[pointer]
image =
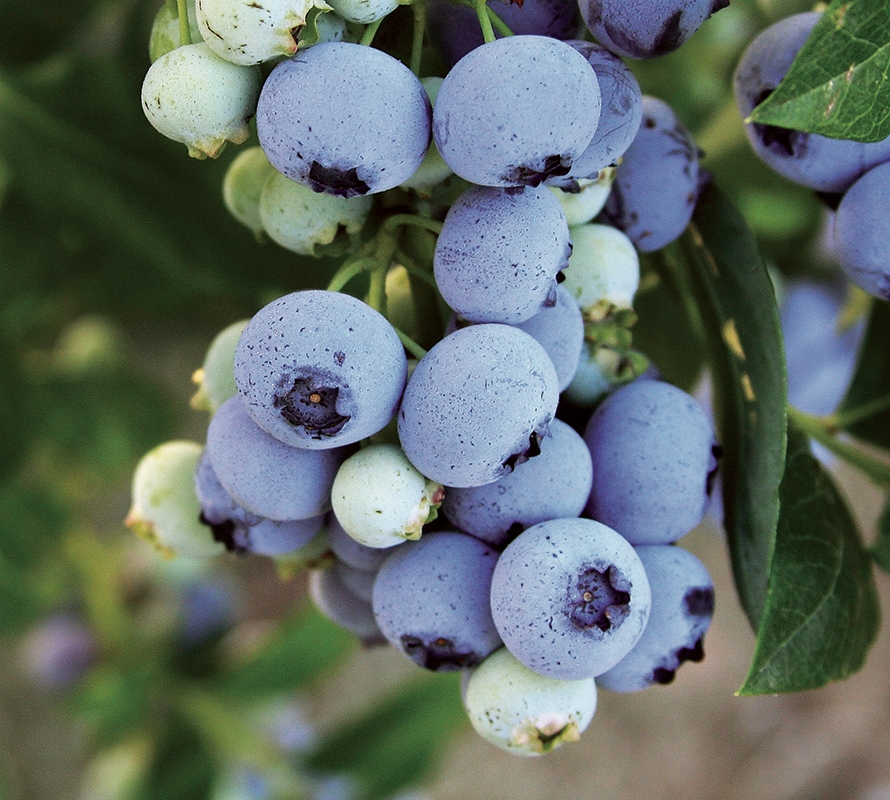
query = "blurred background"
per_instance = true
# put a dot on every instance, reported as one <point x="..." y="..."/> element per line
<point x="123" y="675"/>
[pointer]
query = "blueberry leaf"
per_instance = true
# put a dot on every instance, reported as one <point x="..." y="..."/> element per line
<point x="727" y="278"/>
<point x="304" y="647"/>
<point x="880" y="549"/>
<point x="837" y="85"/>
<point x="822" y="613"/>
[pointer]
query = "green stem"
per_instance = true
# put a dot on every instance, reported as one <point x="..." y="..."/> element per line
<point x="349" y="270"/>
<point x="847" y="418"/>
<point x="397" y="220"/>
<point x="481" y="9"/>
<point x="185" y="35"/>
<point x="377" y="291"/>
<point x="412" y="268"/>
<point x="410" y="345"/>
<point x="818" y="430"/>
<point x="502" y="27"/>
<point x="419" y="9"/>
<point x="370" y="30"/>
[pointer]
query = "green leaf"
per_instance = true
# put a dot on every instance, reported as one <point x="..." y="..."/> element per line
<point x="822" y="612"/>
<point x="395" y="743"/>
<point x="667" y="329"/>
<point x="837" y="85"/>
<point x="880" y="549"/>
<point x="870" y="386"/>
<point x="303" y="649"/>
<point x="735" y="298"/>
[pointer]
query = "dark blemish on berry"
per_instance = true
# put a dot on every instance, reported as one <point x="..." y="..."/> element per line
<point x="311" y="405"/>
<point x="782" y="141"/>
<point x="339" y="182"/>
<point x="534" y="175"/>
<point x="533" y="449"/>
<point x="695" y="653"/>
<point x="339" y="358"/>
<point x="717" y="453"/>
<point x="439" y="655"/>
<point x="663" y="675"/>
<point x="224" y="533"/>
<point x="599" y="599"/>
<point x="699" y="602"/>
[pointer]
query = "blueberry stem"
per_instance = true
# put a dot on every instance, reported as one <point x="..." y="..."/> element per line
<point x="349" y="270"/>
<point x="410" y="345"/>
<point x="397" y="220"/>
<point x="419" y="9"/>
<point x="185" y="36"/>
<point x="412" y="268"/>
<point x="481" y="9"/>
<point x="819" y="430"/>
<point x="370" y="30"/>
<point x="844" y="419"/>
<point x="497" y="22"/>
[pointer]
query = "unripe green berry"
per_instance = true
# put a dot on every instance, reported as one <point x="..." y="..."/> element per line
<point x="165" y="509"/>
<point x="301" y="220"/>
<point x="243" y="185"/>
<point x="380" y="499"/>
<point x="584" y="204"/>
<point x="523" y="712"/>
<point x="193" y="96"/>
<point x="216" y="377"/>
<point x="246" y="32"/>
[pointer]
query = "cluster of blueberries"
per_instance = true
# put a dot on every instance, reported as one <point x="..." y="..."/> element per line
<point x="442" y="503"/>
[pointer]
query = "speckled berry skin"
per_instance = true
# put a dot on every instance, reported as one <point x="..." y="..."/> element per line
<point x="682" y="607"/>
<point x="620" y="115"/>
<point x="654" y="455"/>
<point x="431" y="600"/>
<point x="570" y="598"/>
<point x="862" y="232"/>
<point x="552" y="485"/>
<point x="657" y="184"/>
<point x="559" y="329"/>
<point x="247" y="32"/>
<point x="538" y="89"/>
<point x="477" y="405"/>
<point x="499" y="253"/>
<point x="266" y="476"/>
<point x="646" y="28"/>
<point x="320" y="369"/>
<point x="363" y="124"/>
<point x="818" y="162"/>
<point x="523" y="712"/>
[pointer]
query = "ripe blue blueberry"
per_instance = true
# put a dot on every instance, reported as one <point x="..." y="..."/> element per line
<point x="320" y="369"/>
<point x="570" y="598"/>
<point x="431" y="600"/>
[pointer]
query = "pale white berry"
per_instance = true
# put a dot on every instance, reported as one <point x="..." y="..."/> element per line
<point x="300" y="219"/>
<point x="165" y="509"/>
<point x="193" y="96"/>
<point x="380" y="499"/>
<point x="604" y="270"/>
<point x="246" y="32"/>
<point x="523" y="712"/>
